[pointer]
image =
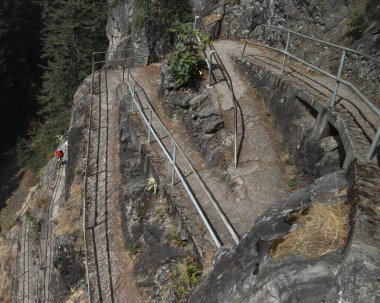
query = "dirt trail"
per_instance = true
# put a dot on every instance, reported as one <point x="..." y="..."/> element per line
<point x="110" y="269"/>
<point x="259" y="181"/>
<point x="347" y="102"/>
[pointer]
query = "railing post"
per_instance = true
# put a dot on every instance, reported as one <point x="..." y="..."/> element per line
<point x="338" y="78"/>
<point x="196" y="21"/>
<point x="245" y="45"/>
<point x="133" y="96"/>
<point x="150" y="126"/>
<point x="375" y="141"/>
<point x="285" y="54"/>
<point x="123" y="68"/>
<point x="235" y="133"/>
<point x="210" y="68"/>
<point x="174" y="164"/>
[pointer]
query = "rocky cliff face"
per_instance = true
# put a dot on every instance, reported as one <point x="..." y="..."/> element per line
<point x="345" y="22"/>
<point x="248" y="272"/>
<point x="354" y="24"/>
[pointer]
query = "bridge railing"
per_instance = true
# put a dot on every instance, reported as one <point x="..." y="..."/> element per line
<point x="338" y="77"/>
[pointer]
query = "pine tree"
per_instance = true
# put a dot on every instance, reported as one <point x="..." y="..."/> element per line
<point x="73" y="29"/>
<point x="20" y="25"/>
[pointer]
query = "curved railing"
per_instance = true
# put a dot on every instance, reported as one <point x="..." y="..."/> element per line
<point x="132" y="84"/>
<point x="214" y="54"/>
<point x="338" y="79"/>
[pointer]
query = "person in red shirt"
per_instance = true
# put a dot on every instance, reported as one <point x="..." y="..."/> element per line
<point x="59" y="154"/>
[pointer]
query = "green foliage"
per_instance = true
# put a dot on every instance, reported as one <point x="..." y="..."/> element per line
<point x="357" y="22"/>
<point x="78" y="170"/>
<point x="292" y="182"/>
<point x="133" y="249"/>
<point x="72" y="30"/>
<point x="161" y="14"/>
<point x="185" y="276"/>
<point x="289" y="161"/>
<point x="178" y="242"/>
<point x="184" y="61"/>
<point x="152" y="185"/>
<point x="20" y="72"/>
<point x="34" y="223"/>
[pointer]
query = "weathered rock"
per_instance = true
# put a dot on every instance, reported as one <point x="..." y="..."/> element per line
<point x="179" y="98"/>
<point x="68" y="270"/>
<point x="247" y="272"/>
<point x="211" y="124"/>
<point x="329" y="144"/>
<point x="149" y="224"/>
<point x="340" y="22"/>
<point x="197" y="100"/>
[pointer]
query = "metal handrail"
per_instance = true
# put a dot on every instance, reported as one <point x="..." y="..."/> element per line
<point x="172" y="159"/>
<point x="337" y="77"/>
<point x="214" y="53"/>
<point x="176" y="169"/>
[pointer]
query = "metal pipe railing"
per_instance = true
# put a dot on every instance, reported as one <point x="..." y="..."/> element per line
<point x="175" y="169"/>
<point x="178" y="172"/>
<point x="337" y="77"/>
<point x="214" y="53"/>
<point x="172" y="160"/>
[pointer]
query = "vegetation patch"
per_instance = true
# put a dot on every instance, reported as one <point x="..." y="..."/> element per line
<point x="292" y="182"/>
<point x="161" y="14"/>
<point x="34" y="223"/>
<point x="69" y="218"/>
<point x="322" y="229"/>
<point x="184" y="62"/>
<point x="185" y="276"/>
<point x="8" y="259"/>
<point x="152" y="186"/>
<point x="357" y="22"/>
<point x="133" y="250"/>
<point x="289" y="160"/>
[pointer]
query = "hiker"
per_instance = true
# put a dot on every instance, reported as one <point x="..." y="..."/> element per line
<point x="59" y="153"/>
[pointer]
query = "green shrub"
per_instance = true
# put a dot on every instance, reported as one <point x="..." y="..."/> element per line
<point x="34" y="223"/>
<point x="133" y="249"/>
<point x="292" y="182"/>
<point x="152" y="185"/>
<point x="357" y="22"/>
<point x="289" y="161"/>
<point x="185" y="276"/>
<point x="161" y="14"/>
<point x="184" y="61"/>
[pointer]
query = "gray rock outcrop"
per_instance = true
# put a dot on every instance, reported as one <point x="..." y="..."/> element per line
<point x="248" y="273"/>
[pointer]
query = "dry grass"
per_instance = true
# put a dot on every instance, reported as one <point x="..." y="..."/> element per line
<point x="211" y="18"/>
<point x="69" y="218"/>
<point x="323" y="229"/>
<point x="15" y="201"/>
<point x="39" y="202"/>
<point x="77" y="296"/>
<point x="7" y="260"/>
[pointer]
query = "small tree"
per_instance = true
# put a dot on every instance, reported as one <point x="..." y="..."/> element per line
<point x="184" y="61"/>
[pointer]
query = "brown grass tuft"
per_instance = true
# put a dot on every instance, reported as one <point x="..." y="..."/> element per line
<point x="7" y="257"/>
<point x="77" y="296"/>
<point x="323" y="229"/>
<point x="39" y="202"/>
<point x="29" y="179"/>
<point x="69" y="218"/>
<point x="211" y="18"/>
